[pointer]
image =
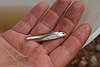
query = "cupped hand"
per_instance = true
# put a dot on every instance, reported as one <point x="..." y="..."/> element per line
<point x="63" y="16"/>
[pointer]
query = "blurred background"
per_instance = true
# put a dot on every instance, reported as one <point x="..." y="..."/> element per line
<point x="11" y="11"/>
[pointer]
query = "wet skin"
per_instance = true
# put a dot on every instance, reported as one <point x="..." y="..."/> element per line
<point x="15" y="51"/>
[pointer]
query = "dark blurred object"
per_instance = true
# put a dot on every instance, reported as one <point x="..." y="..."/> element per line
<point x="94" y="61"/>
<point x="88" y="56"/>
<point x="97" y="48"/>
<point x="83" y="63"/>
<point x="98" y="39"/>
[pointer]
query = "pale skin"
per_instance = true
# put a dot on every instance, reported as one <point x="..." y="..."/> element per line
<point x="15" y="51"/>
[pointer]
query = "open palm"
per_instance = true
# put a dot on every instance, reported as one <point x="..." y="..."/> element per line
<point x="17" y="52"/>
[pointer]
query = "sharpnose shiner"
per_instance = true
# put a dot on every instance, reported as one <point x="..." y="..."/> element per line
<point x="46" y="37"/>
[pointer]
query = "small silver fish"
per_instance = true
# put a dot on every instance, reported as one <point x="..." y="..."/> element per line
<point x="46" y="37"/>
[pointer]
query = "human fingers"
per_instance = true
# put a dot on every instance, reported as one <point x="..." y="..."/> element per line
<point x="68" y="50"/>
<point x="49" y="21"/>
<point x="28" y="22"/>
<point x="67" y="24"/>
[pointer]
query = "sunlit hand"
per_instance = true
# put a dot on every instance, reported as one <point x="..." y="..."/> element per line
<point x="15" y="51"/>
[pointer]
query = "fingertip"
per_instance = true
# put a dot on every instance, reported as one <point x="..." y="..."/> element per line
<point x="65" y="1"/>
<point x="44" y="4"/>
<point x="87" y="27"/>
<point x="79" y="5"/>
<point x="83" y="32"/>
<point x="39" y="10"/>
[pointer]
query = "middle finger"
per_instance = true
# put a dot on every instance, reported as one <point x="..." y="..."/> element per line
<point x="67" y="25"/>
<point x="49" y="21"/>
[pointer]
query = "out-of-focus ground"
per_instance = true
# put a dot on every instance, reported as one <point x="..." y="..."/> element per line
<point x="10" y="15"/>
<point x="88" y="56"/>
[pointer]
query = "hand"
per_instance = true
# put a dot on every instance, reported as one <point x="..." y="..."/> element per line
<point x="17" y="52"/>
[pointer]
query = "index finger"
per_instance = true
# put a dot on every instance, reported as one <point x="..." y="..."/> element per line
<point x="28" y="22"/>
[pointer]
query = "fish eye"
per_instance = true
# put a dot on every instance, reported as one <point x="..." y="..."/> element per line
<point x="63" y="33"/>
